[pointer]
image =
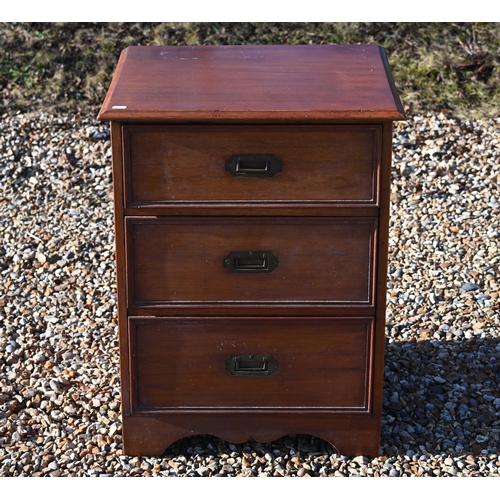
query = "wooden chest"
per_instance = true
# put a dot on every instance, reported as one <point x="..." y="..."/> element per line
<point x="251" y="190"/>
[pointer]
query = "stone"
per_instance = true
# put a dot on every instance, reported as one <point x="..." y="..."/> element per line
<point x="469" y="287"/>
<point x="60" y="397"/>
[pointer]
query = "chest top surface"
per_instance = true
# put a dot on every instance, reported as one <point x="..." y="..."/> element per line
<point x="302" y="83"/>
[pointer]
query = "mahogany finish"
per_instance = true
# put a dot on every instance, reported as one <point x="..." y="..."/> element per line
<point x="247" y="83"/>
<point x="196" y="338"/>
<point x="322" y="164"/>
<point x="173" y="260"/>
<point x="179" y="364"/>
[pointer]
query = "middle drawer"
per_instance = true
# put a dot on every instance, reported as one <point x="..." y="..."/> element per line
<point x="250" y="261"/>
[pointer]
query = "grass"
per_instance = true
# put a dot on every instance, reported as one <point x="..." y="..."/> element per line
<point x="450" y="67"/>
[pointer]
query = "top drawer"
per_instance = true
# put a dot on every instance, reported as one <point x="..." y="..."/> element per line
<point x="327" y="165"/>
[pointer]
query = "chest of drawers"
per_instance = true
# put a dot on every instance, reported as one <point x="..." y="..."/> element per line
<point x="251" y="189"/>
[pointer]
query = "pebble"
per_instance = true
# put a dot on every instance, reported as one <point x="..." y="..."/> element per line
<point x="469" y="287"/>
<point x="59" y="383"/>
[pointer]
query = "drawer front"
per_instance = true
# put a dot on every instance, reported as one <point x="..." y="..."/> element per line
<point x="176" y="165"/>
<point x="208" y="260"/>
<point x="184" y="364"/>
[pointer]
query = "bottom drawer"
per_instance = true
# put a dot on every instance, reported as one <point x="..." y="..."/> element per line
<point x="250" y="364"/>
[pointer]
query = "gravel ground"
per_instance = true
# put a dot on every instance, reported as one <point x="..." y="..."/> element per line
<point x="59" y="380"/>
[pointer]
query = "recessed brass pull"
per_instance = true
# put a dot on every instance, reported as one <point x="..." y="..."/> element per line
<point x="251" y="262"/>
<point x="252" y="365"/>
<point x="253" y="165"/>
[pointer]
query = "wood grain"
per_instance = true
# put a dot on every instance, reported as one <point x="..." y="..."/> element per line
<point x="179" y="364"/>
<point x="179" y="260"/>
<point x="252" y="82"/>
<point x="178" y="113"/>
<point x="168" y="166"/>
<point x="120" y="258"/>
<point x="352" y="434"/>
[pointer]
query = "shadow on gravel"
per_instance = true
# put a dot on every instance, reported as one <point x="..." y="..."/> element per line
<point x="299" y="445"/>
<point x="293" y="455"/>
<point x="442" y="397"/>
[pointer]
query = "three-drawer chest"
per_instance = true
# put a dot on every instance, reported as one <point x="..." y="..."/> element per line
<point x="251" y="188"/>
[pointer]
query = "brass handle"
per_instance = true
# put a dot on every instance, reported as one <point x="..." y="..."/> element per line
<point x="252" y="365"/>
<point x="253" y="165"/>
<point x="251" y="262"/>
